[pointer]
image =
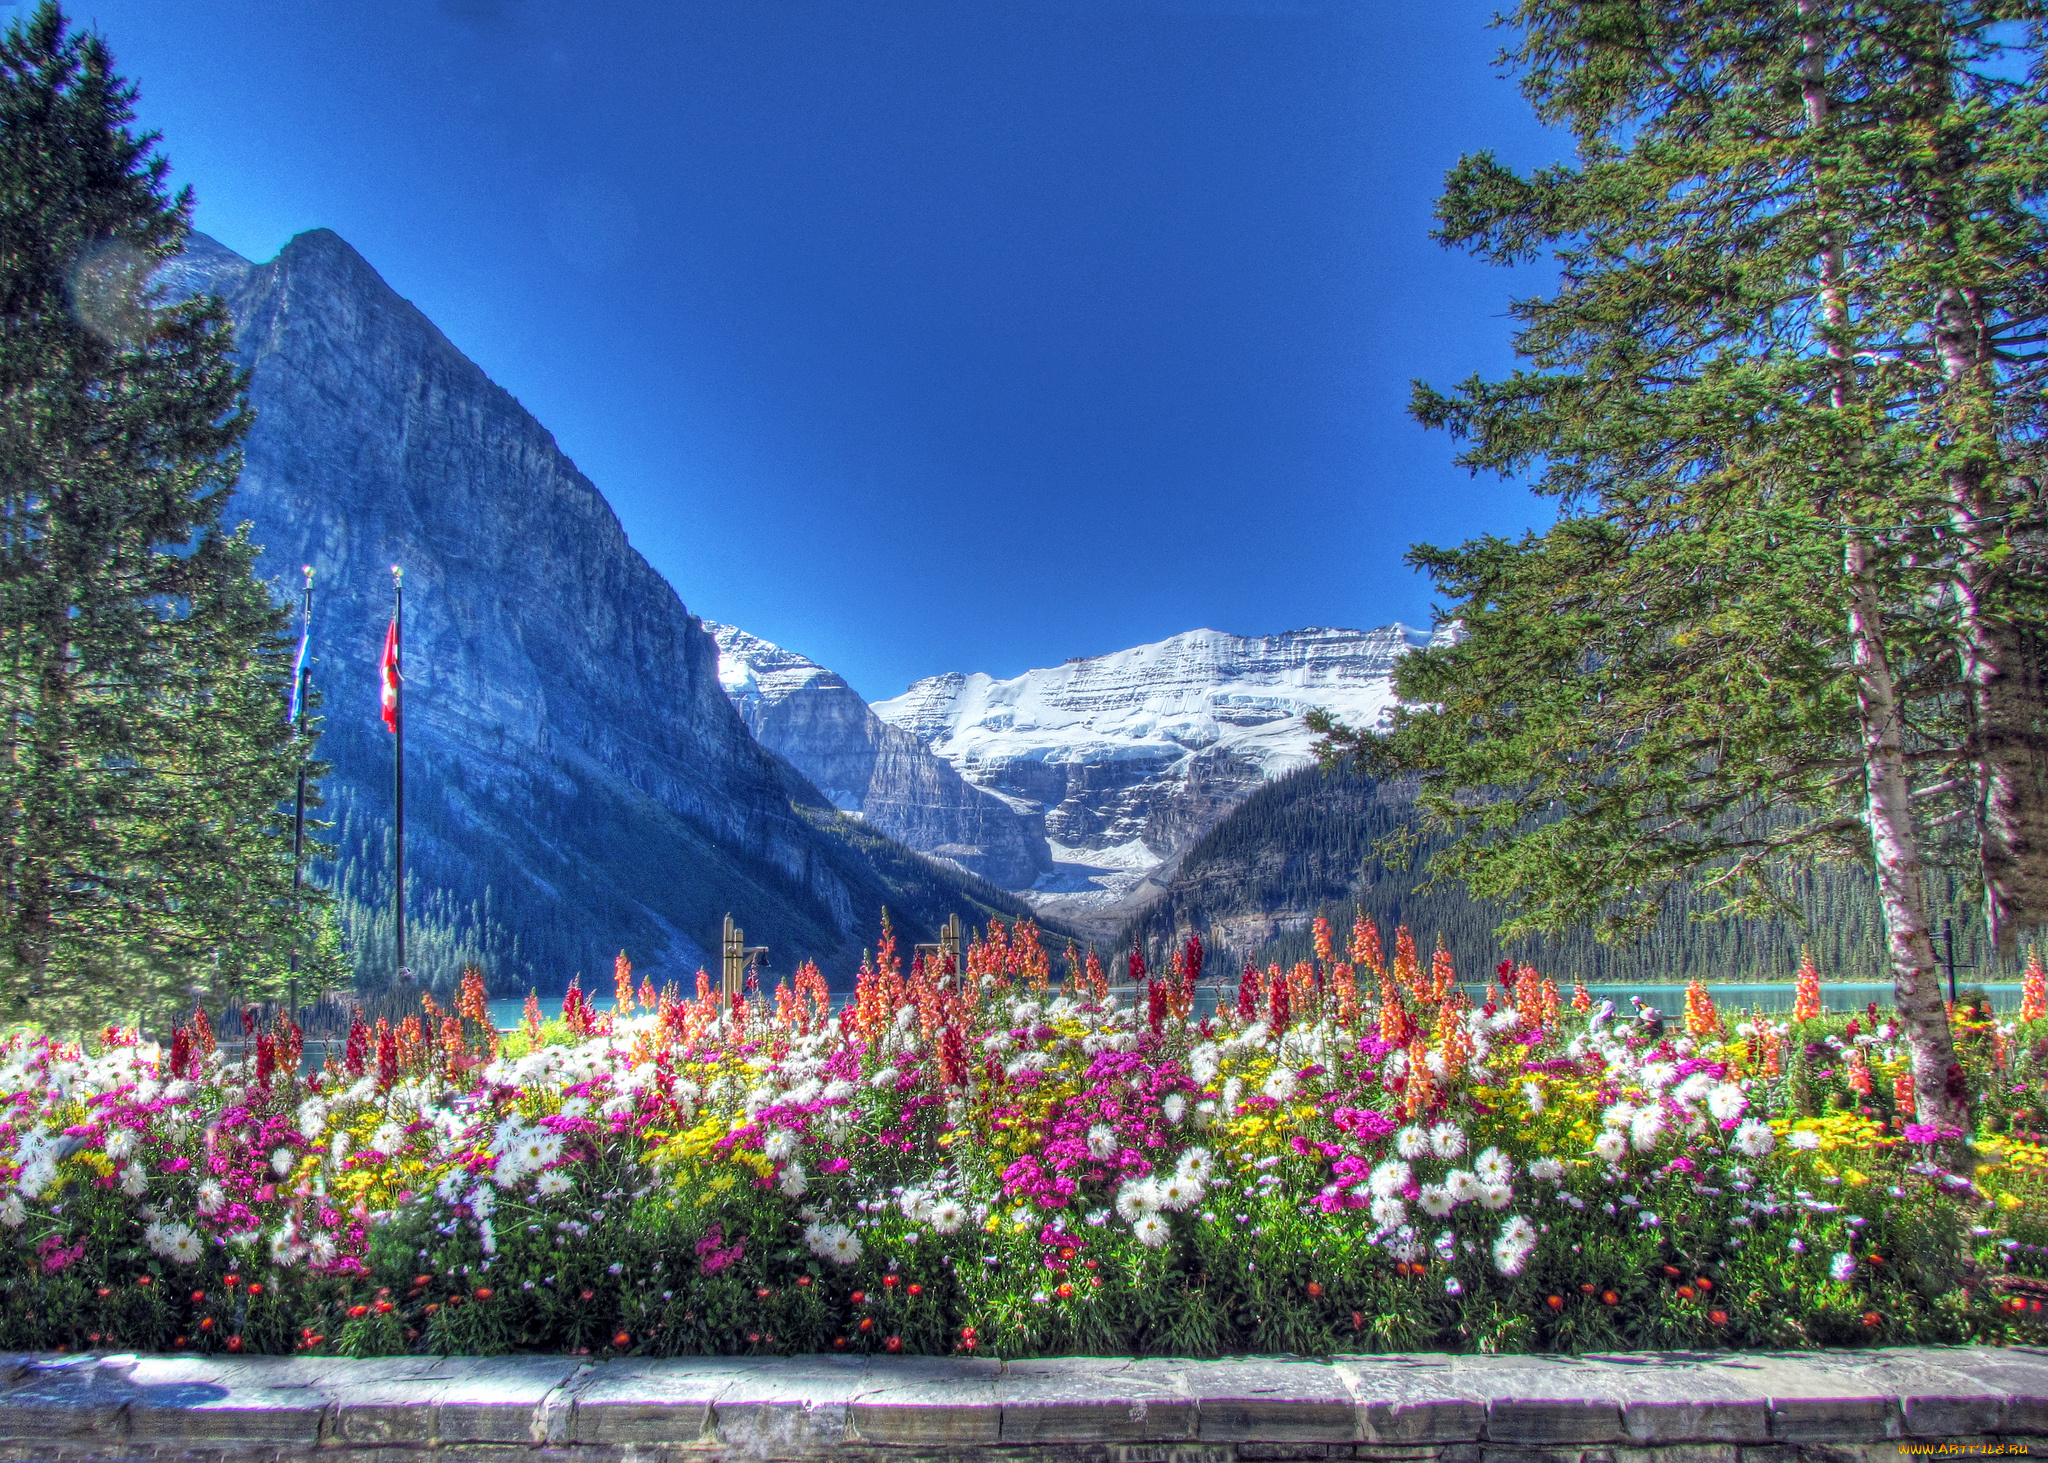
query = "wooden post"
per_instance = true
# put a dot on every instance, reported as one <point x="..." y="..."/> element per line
<point x="739" y="955"/>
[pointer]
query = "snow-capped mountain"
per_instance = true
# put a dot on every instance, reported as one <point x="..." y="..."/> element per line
<point x="811" y="718"/>
<point x="1130" y="758"/>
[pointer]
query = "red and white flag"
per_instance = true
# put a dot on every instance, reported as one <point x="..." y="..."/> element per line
<point x="391" y="676"/>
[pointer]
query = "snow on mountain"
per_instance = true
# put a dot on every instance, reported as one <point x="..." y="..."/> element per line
<point x="1131" y="757"/>
<point x="809" y="716"/>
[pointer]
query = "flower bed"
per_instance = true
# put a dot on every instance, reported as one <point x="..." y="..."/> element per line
<point x="1350" y="1157"/>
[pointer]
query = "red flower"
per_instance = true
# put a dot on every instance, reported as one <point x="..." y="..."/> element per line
<point x="483" y="1292"/>
<point x="917" y="1290"/>
<point x="622" y="1338"/>
<point x="894" y="1343"/>
<point x="1315" y="1290"/>
<point x="762" y="1293"/>
<point x="1064" y="1292"/>
<point x="358" y="1312"/>
<point x="1703" y="1283"/>
<point x="1685" y="1292"/>
<point x="1610" y="1298"/>
<point x="234" y="1343"/>
<point x="888" y="1282"/>
<point x="255" y="1289"/>
<point x="206" y="1323"/>
<point x="199" y="1297"/>
<point x="1872" y="1318"/>
<point x="1719" y="1318"/>
<point x="1555" y="1302"/>
<point x="867" y="1323"/>
<point x="859" y="1297"/>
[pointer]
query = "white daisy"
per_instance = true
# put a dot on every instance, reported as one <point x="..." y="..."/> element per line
<point x="1464" y="1186"/>
<point x="1645" y="1129"/>
<point x="793" y="1181"/>
<point x="281" y="1161"/>
<point x="1436" y="1201"/>
<point x="1178" y="1192"/>
<point x="183" y="1247"/>
<point x="1101" y="1142"/>
<point x="212" y="1198"/>
<point x="1496" y="1196"/>
<point x="1388" y="1211"/>
<point x="1196" y="1164"/>
<point x="1547" y="1169"/>
<point x="1174" y="1108"/>
<point x="1842" y="1266"/>
<point x="1136" y="1199"/>
<point x="1447" y="1140"/>
<point x="1517" y="1241"/>
<point x="1610" y="1145"/>
<point x="1390" y="1178"/>
<point x="1281" y="1084"/>
<point x="780" y="1145"/>
<point x="1151" y="1230"/>
<point x="13" y="1213"/>
<point x="1725" y="1101"/>
<point x="1493" y="1167"/>
<point x="1411" y="1143"/>
<point x="1753" y="1138"/>
<point x="1803" y="1139"/>
<point x="122" y="1144"/>
<point x="134" y="1181"/>
<point x="553" y="1182"/>
<point x="947" y="1216"/>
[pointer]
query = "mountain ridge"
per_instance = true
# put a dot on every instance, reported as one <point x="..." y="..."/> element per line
<point x="570" y="746"/>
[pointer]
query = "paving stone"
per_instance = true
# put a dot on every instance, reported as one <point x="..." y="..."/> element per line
<point x="1272" y="1400"/>
<point x="1933" y="1401"/>
<point x="927" y="1402"/>
<point x="1411" y="1400"/>
<point x="793" y="1408"/>
<point x="1811" y="1402"/>
<point x="2020" y="1373"/>
<point x="1676" y="1398"/>
<point x="1153" y="1452"/>
<point x="1549" y="1400"/>
<point x="495" y="1399"/>
<point x="651" y="1401"/>
<point x="66" y="1397"/>
<point x="1094" y="1400"/>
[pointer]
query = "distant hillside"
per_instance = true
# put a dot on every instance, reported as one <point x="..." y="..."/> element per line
<point x="1307" y="842"/>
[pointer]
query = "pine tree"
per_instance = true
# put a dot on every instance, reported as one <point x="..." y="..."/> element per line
<point x="144" y="756"/>
<point x="1788" y="391"/>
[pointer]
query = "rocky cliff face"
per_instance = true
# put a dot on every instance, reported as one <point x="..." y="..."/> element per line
<point x="577" y="780"/>
<point x="1130" y="758"/>
<point x="881" y="774"/>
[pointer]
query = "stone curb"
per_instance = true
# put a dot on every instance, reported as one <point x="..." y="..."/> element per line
<point x="1705" y="1407"/>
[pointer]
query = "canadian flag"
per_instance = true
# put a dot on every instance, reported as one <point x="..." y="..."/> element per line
<point x="391" y="676"/>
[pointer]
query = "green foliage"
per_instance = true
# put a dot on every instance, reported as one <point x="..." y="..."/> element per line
<point x="1336" y="841"/>
<point x="1791" y="366"/>
<point x="144" y="759"/>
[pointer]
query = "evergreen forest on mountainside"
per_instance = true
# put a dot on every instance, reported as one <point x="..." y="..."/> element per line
<point x="1328" y="840"/>
<point x="612" y="899"/>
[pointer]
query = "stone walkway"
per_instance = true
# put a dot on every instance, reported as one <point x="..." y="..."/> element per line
<point x="1837" y="1407"/>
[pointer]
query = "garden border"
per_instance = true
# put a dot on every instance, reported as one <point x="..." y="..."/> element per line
<point x="1673" y="1407"/>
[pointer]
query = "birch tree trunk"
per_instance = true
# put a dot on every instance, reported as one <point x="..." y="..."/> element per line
<point x="1939" y="1093"/>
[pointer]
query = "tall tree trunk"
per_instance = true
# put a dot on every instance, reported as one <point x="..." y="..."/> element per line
<point x="1938" y="1090"/>
<point x="2009" y="731"/>
<point x="1939" y="1094"/>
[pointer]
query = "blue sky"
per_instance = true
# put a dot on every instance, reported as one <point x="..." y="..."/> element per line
<point x="914" y="337"/>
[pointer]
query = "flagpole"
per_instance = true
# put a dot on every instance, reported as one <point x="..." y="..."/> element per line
<point x="298" y="718"/>
<point x="398" y="761"/>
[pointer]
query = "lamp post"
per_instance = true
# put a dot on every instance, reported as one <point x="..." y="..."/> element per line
<point x="739" y="955"/>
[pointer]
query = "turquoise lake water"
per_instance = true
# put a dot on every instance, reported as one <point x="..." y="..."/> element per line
<point x="1844" y="996"/>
